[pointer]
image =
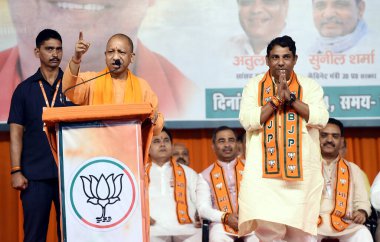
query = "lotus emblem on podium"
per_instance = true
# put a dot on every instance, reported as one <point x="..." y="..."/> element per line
<point x="103" y="191"/>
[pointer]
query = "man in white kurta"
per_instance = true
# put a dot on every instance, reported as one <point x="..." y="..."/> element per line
<point x="354" y="200"/>
<point x="224" y="144"/>
<point x="276" y="208"/>
<point x="165" y="226"/>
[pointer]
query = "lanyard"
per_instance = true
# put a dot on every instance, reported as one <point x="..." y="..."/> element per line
<point x="55" y="94"/>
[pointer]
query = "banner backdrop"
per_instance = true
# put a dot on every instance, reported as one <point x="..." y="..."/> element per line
<point x="198" y="54"/>
<point x="101" y="175"/>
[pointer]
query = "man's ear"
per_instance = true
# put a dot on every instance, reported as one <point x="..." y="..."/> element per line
<point x="37" y="52"/>
<point x="361" y="7"/>
<point x="132" y="58"/>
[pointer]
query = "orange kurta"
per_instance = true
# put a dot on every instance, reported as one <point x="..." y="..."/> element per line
<point x="88" y="93"/>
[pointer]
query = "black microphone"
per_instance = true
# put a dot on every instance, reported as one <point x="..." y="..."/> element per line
<point x="117" y="63"/>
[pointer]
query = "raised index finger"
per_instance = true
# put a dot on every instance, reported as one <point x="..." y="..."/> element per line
<point x="80" y="35"/>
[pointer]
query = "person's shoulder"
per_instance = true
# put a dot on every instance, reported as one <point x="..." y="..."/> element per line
<point x="257" y="78"/>
<point x="188" y="169"/>
<point x="207" y="171"/>
<point x="28" y="81"/>
<point x="304" y="80"/>
<point x="353" y="166"/>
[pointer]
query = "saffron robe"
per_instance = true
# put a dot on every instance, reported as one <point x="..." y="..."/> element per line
<point x="85" y="94"/>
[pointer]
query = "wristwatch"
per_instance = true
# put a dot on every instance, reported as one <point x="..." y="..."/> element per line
<point x="292" y="99"/>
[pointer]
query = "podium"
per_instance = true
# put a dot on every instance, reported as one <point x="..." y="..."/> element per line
<point x="100" y="152"/>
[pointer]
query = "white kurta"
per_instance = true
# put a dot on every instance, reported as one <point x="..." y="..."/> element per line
<point x="357" y="199"/>
<point x="162" y="204"/>
<point x="293" y="203"/>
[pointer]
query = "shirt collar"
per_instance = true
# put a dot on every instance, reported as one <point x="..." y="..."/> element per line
<point x="38" y="76"/>
<point x="227" y="164"/>
<point x="332" y="163"/>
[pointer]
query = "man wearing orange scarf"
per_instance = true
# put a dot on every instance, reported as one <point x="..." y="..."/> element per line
<point x="345" y="204"/>
<point x="282" y="183"/>
<point x="119" y="86"/>
<point x="172" y="196"/>
<point x="218" y="188"/>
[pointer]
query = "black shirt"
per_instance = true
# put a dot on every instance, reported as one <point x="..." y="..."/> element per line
<point x="37" y="161"/>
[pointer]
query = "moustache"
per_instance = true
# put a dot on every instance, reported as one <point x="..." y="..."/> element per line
<point x="329" y="143"/>
<point x="54" y="59"/>
<point x="181" y="160"/>
<point x="227" y="149"/>
<point x="332" y="20"/>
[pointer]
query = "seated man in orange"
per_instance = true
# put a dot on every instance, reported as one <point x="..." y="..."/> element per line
<point x="117" y="87"/>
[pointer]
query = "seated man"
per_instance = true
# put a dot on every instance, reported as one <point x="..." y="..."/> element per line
<point x="172" y="197"/>
<point x="345" y="205"/>
<point x="218" y="188"/>
<point x="181" y="154"/>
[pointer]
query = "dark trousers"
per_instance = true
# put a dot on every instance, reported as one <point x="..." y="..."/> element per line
<point x="36" y="202"/>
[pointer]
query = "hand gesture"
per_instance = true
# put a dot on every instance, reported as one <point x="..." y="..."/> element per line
<point x="81" y="47"/>
<point x="19" y="182"/>
<point x="283" y="89"/>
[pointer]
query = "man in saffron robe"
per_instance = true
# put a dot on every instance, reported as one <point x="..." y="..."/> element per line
<point x="282" y="113"/>
<point x="218" y="188"/>
<point x="345" y="204"/>
<point x="172" y="197"/>
<point x="118" y="87"/>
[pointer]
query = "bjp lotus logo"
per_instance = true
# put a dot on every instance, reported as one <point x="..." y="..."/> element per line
<point x="102" y="192"/>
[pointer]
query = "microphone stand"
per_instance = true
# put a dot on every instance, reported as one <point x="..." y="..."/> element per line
<point x="64" y="93"/>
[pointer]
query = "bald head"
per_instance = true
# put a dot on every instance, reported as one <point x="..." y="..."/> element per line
<point x="181" y="153"/>
<point x="123" y="37"/>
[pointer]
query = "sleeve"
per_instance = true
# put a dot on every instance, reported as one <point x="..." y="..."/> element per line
<point x="151" y="98"/>
<point x="204" y="204"/>
<point x="313" y="97"/>
<point x="16" y="112"/>
<point x="80" y="94"/>
<point x="250" y="111"/>
<point x="360" y="198"/>
<point x="375" y="193"/>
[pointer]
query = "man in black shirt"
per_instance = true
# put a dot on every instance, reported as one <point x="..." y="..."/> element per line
<point x="34" y="171"/>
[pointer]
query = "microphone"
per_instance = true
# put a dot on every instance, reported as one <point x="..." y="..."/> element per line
<point x="117" y="63"/>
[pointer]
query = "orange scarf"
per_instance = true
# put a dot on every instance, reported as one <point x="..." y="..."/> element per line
<point x="180" y="194"/>
<point x="104" y="90"/>
<point x="220" y="187"/>
<point x="282" y="136"/>
<point x="342" y="188"/>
